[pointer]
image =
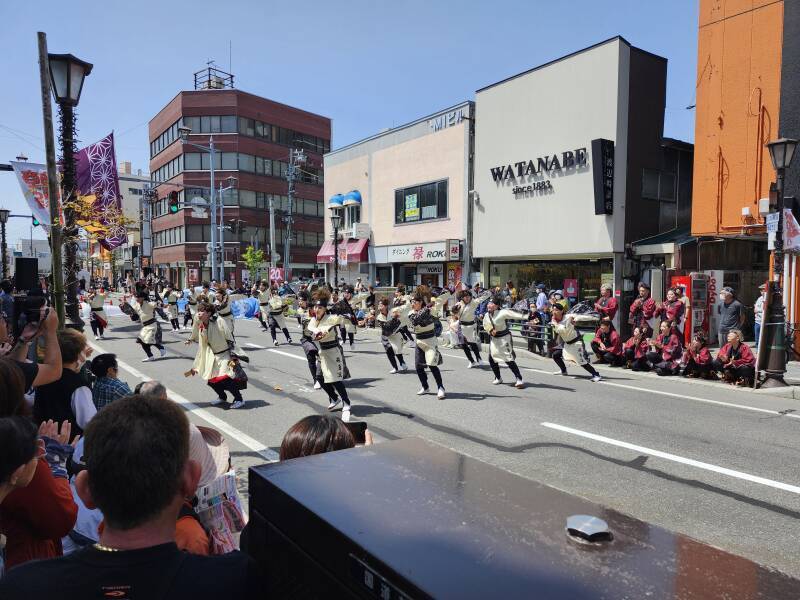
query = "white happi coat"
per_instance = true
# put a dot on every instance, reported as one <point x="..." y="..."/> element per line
<point x="331" y="359"/>
<point x="98" y="302"/>
<point x="213" y="356"/>
<point x="501" y="347"/>
<point x="148" y="334"/>
<point x="172" y="304"/>
<point x="565" y="332"/>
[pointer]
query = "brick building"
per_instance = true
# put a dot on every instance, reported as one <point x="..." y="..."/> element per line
<point x="253" y="137"/>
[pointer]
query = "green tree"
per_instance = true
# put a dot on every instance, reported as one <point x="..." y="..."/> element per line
<point x="254" y="259"/>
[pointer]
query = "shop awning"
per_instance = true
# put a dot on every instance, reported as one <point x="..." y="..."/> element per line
<point x="663" y="243"/>
<point x="357" y="251"/>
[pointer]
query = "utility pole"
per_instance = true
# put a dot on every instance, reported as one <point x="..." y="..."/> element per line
<point x="296" y="158"/>
<point x="221" y="233"/>
<point x="273" y="259"/>
<point x="57" y="270"/>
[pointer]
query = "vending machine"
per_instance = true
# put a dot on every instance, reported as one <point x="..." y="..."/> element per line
<point x="695" y="293"/>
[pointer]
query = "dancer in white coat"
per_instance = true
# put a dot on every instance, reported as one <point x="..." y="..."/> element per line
<point x="427" y="351"/>
<point x="389" y="320"/>
<point x="324" y="328"/>
<point x="214" y="361"/>
<point x="569" y="343"/>
<point x="171" y="300"/>
<point x="467" y="306"/>
<point x="97" y="318"/>
<point x="150" y="333"/>
<point x="501" y="346"/>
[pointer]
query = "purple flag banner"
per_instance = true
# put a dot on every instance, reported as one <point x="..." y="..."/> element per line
<point x="96" y="173"/>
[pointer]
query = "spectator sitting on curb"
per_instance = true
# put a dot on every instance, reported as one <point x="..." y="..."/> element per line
<point x="107" y="387"/>
<point x="140" y="504"/>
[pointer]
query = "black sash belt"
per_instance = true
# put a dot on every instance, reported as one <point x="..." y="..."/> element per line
<point x="172" y="303"/>
<point x="425" y="335"/>
<point x="577" y="339"/>
<point x="329" y="345"/>
<point x="192" y="303"/>
<point x="221" y="351"/>
<point x="227" y="314"/>
<point x="150" y="322"/>
<point x="97" y="309"/>
<point x="505" y="332"/>
<point x="468" y="323"/>
<point x="276" y="312"/>
<point x="263" y="303"/>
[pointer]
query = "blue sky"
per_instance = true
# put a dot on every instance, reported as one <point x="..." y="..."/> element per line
<point x="366" y="64"/>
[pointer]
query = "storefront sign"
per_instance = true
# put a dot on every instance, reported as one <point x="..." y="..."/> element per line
<point x="454" y="273"/>
<point x="453" y="250"/>
<point x="430" y="269"/>
<point x="194" y="276"/>
<point x="603" y="173"/>
<point x="412" y="208"/>
<point x="454" y="117"/>
<point x="275" y="274"/>
<point x="549" y="164"/>
<point x="425" y="252"/>
<point x="343" y="255"/>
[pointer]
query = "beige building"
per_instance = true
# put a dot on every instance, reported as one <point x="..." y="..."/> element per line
<point x="131" y="186"/>
<point x="402" y="195"/>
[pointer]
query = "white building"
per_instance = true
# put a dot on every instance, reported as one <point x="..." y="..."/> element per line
<point x="33" y="248"/>
<point x="131" y="187"/>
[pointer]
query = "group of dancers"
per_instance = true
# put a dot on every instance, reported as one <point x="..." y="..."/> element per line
<point x="328" y="322"/>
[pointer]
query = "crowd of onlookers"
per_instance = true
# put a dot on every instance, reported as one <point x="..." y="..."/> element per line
<point x="100" y="485"/>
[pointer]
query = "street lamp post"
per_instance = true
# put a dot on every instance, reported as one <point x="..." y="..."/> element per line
<point x="67" y="74"/>
<point x="184" y="132"/>
<point x="231" y="180"/>
<point x="336" y="221"/>
<point x="781" y="153"/>
<point x="4" y="212"/>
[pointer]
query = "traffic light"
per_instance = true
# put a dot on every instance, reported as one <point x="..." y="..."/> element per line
<point x="36" y="222"/>
<point x="173" y="202"/>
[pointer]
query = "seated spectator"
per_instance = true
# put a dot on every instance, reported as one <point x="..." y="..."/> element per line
<point x="635" y="348"/>
<point x="19" y="450"/>
<point x="69" y="398"/>
<point x="107" y="387"/>
<point x="140" y="504"/>
<point x="607" y="346"/>
<point x="696" y="360"/>
<point x="315" y="434"/>
<point x="666" y="350"/>
<point x="735" y="361"/>
<point x="17" y="349"/>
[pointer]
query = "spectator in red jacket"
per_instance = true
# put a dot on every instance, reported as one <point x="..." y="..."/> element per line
<point x="36" y="517"/>
<point x="666" y="350"/>
<point x="735" y="361"/>
<point x="606" y="304"/>
<point x="643" y="308"/>
<point x="672" y="309"/>
<point x="696" y="360"/>
<point x="635" y="348"/>
<point x="607" y="346"/>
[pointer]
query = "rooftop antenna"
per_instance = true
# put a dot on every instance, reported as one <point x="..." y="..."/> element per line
<point x="230" y="56"/>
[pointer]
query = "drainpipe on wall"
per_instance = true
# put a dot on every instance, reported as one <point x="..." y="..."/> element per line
<point x="471" y="196"/>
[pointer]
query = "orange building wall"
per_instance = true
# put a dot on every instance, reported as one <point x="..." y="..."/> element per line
<point x="738" y="98"/>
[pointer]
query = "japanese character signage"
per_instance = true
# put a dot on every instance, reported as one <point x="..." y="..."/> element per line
<point x="33" y="180"/>
<point x="412" y="208"/>
<point x="603" y="171"/>
<point x="422" y="252"/>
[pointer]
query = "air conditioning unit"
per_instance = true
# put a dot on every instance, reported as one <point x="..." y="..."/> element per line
<point x="359" y="231"/>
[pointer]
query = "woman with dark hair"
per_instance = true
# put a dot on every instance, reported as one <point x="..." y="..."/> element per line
<point x="696" y="360"/>
<point x="276" y="320"/>
<point x="324" y="327"/>
<point x="501" y="347"/>
<point x="214" y="361"/>
<point x="391" y="338"/>
<point x="150" y="333"/>
<point x="316" y="434"/>
<point x="307" y="339"/>
<point x="19" y="449"/>
<point x="635" y="348"/>
<point x="666" y="350"/>
<point x="427" y="352"/>
<point x="12" y="392"/>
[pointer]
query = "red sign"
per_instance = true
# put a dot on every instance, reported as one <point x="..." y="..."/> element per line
<point x="194" y="276"/>
<point x="570" y="288"/>
<point x="276" y="274"/>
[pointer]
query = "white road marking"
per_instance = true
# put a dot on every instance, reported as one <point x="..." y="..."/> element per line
<point x="679" y="459"/>
<point x="256" y="346"/>
<point x="286" y="354"/>
<point x="268" y="454"/>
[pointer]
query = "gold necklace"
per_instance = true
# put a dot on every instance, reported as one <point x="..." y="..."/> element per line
<point x="102" y="548"/>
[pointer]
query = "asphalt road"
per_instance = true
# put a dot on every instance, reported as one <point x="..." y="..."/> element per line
<point x="711" y="462"/>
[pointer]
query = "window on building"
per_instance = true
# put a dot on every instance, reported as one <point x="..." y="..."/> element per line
<point x="352" y="215"/>
<point x="421" y="202"/>
<point x="229" y="161"/>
